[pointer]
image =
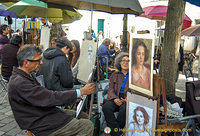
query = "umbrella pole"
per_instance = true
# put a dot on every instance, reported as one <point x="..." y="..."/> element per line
<point x="91" y="19"/>
<point x="15" y="24"/>
<point x="124" y="41"/>
<point x="198" y="53"/>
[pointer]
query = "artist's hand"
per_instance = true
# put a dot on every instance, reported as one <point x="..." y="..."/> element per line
<point x="123" y="100"/>
<point x="117" y="101"/>
<point x="89" y="88"/>
<point x="79" y="99"/>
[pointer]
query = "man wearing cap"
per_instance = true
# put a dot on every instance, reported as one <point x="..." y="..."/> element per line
<point x="56" y="69"/>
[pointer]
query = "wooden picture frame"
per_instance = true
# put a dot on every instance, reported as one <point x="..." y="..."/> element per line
<point x="140" y="115"/>
<point x="141" y="65"/>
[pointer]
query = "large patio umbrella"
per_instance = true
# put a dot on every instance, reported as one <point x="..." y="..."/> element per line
<point x="3" y="12"/>
<point x="191" y="31"/>
<point x="110" y="6"/>
<point x="194" y="2"/>
<point x="159" y="12"/>
<point x="35" y="8"/>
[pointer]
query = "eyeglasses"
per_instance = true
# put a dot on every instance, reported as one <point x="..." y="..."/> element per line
<point x="39" y="60"/>
<point x="125" y="61"/>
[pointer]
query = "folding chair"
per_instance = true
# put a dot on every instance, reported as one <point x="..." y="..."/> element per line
<point x="3" y="91"/>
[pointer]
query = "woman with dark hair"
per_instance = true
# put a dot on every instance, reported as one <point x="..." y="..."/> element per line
<point x="117" y="91"/>
<point x="9" y="56"/>
<point x="139" y="126"/>
<point x="140" y="72"/>
<point x="75" y="59"/>
<point x="53" y="42"/>
<point x="75" y="51"/>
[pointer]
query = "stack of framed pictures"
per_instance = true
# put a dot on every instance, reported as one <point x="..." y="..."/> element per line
<point x="141" y="111"/>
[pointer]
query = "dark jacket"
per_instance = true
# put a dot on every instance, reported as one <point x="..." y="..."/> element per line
<point x="9" y="59"/>
<point x="115" y="84"/>
<point x="56" y="70"/>
<point x="103" y="52"/>
<point x="3" y="40"/>
<point x="34" y="107"/>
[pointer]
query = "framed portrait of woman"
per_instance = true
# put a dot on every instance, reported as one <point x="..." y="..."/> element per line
<point x="141" y="65"/>
<point x="140" y="116"/>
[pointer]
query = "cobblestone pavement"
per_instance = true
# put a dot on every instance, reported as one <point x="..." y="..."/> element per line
<point x="8" y="126"/>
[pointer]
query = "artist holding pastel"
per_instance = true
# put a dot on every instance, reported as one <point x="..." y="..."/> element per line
<point x="140" y="72"/>
<point x="117" y="91"/>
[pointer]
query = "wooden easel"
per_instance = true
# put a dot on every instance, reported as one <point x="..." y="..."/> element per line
<point x="159" y="88"/>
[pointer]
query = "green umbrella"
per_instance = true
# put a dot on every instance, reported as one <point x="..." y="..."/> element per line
<point x="35" y="8"/>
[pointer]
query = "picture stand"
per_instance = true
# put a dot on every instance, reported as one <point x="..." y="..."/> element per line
<point x="159" y="89"/>
<point x="168" y="125"/>
<point x="87" y="67"/>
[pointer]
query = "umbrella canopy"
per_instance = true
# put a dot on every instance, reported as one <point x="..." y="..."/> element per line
<point x="35" y="8"/>
<point x="110" y="6"/>
<point x="159" y="12"/>
<point x="3" y="12"/>
<point x="195" y="2"/>
<point x="192" y="31"/>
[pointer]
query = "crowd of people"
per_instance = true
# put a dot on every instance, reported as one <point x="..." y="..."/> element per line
<point x="36" y="108"/>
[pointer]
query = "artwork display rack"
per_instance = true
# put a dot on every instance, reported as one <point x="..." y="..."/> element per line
<point x="159" y="91"/>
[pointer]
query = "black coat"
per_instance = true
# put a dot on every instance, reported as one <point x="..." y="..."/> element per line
<point x="9" y="59"/>
<point x="56" y="70"/>
<point x="34" y="107"/>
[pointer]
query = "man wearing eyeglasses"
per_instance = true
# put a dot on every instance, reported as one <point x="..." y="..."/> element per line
<point x="34" y="107"/>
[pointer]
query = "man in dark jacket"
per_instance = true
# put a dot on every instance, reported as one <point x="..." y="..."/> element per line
<point x="3" y="37"/>
<point x="56" y="70"/>
<point x="34" y="107"/>
<point x="104" y="53"/>
<point x="9" y="56"/>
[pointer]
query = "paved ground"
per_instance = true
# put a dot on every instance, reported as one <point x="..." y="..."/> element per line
<point x="8" y="126"/>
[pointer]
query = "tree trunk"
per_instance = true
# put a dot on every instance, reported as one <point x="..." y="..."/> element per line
<point x="56" y="30"/>
<point x="169" y="56"/>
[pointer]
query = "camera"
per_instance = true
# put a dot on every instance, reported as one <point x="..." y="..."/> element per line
<point x="9" y="19"/>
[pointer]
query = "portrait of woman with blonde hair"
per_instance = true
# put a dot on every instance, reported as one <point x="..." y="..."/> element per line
<point x="140" y="72"/>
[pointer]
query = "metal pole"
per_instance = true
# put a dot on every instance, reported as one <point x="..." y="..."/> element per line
<point x="124" y="40"/>
<point x="199" y="61"/>
<point x="15" y="24"/>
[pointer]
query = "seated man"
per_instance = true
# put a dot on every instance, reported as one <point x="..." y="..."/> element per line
<point x="9" y="56"/>
<point x="117" y="91"/>
<point x="34" y="107"/>
<point x="3" y="37"/>
<point x="56" y="68"/>
<point x="104" y="52"/>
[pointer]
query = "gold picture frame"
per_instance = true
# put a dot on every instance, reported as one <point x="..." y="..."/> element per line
<point x="141" y="65"/>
